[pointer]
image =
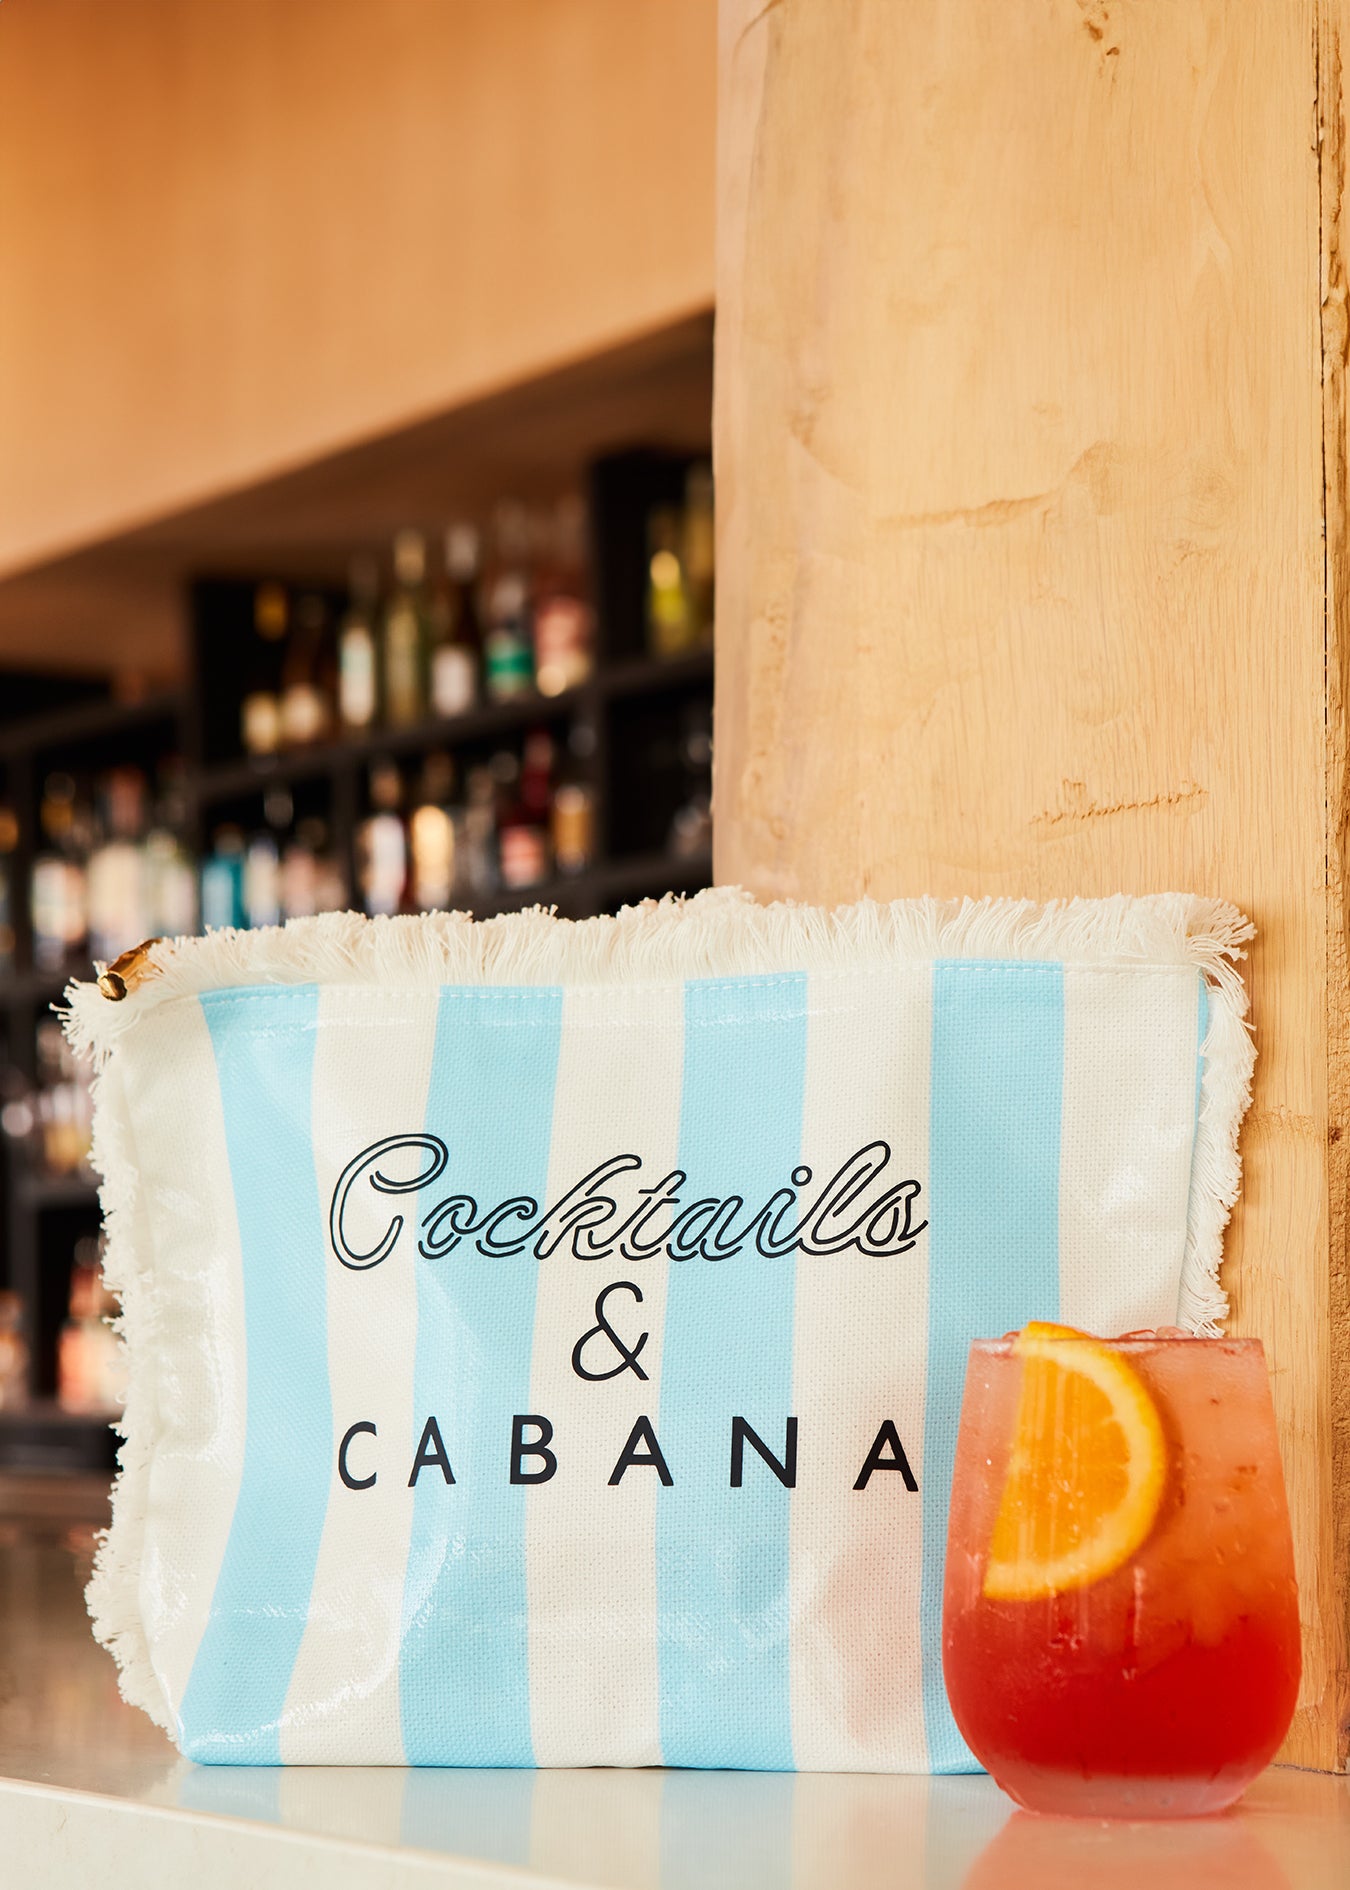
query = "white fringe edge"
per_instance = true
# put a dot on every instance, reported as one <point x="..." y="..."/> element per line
<point x="113" y="1594"/>
<point x="720" y="933"/>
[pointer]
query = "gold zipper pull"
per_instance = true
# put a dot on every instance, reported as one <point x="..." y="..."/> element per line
<point x="127" y="971"/>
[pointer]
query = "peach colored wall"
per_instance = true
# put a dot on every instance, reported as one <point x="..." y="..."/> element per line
<point x="239" y="235"/>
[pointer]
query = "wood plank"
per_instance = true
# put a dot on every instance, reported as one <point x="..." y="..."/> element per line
<point x="1022" y="585"/>
<point x="239" y="238"/>
<point x="1333" y="39"/>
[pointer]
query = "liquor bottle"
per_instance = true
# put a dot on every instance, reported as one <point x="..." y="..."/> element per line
<point x="262" y="858"/>
<point x="523" y="832"/>
<point x="331" y="892"/>
<point x="299" y="878"/>
<point x="59" y="888"/>
<point x="573" y="827"/>
<point x="223" y="881"/>
<point x="18" y="1113"/>
<point x="508" y="653"/>
<point x="306" y="676"/>
<point x="456" y="649"/>
<point x="382" y="843"/>
<point x="170" y="876"/>
<point x="170" y="886"/>
<point x="358" y="649"/>
<point x="691" y="826"/>
<point x="573" y="814"/>
<point x="64" y="1102"/>
<point x="432" y="836"/>
<point x="700" y="550"/>
<point x="260" y="712"/>
<point x="9" y="840"/>
<point x="52" y="1150"/>
<point x="406" y="633"/>
<point x="670" y="620"/>
<point x="90" y="1369"/>
<point x="302" y="869"/>
<point x="480" y="866"/>
<point x="311" y="877"/>
<point x="13" y="1352"/>
<point x="564" y="623"/>
<point x="46" y="902"/>
<point x="118" y="906"/>
<point x="262" y="881"/>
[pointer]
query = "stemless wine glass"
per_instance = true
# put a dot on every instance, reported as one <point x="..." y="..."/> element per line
<point x="1120" y="1626"/>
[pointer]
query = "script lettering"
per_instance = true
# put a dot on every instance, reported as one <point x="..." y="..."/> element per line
<point x="854" y="1210"/>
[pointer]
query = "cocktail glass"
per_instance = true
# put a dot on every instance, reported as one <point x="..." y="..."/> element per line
<point x="1120" y="1627"/>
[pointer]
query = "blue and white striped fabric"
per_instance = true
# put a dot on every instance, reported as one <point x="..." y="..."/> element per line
<point x="567" y="1373"/>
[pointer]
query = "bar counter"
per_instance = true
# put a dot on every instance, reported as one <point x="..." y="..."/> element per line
<point x="91" y="1792"/>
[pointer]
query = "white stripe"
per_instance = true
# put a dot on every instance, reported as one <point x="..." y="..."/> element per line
<point x="590" y="1549"/>
<point x="1128" y="1130"/>
<point x="372" y="1062"/>
<point x="860" y="1342"/>
<point x="183" y="1172"/>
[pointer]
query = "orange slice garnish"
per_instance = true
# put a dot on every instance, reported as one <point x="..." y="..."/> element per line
<point x="1086" y="1471"/>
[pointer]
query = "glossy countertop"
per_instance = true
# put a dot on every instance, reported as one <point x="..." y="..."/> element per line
<point x="91" y="1792"/>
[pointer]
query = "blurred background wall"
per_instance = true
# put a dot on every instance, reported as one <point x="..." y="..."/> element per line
<point x="239" y="236"/>
<point x="356" y="516"/>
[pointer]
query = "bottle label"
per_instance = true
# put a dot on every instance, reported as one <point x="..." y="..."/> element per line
<point x="356" y="684"/>
<point x="261" y="723"/>
<point x="454" y="680"/>
<point x="508" y="668"/>
<point x="524" y="856"/>
<point x="302" y="715"/>
<point x="402" y="682"/>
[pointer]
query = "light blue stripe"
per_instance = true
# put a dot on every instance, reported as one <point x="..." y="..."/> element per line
<point x="264" y="1050"/>
<point x="464" y="1676"/>
<point x="722" y="1553"/>
<point x="993" y="1244"/>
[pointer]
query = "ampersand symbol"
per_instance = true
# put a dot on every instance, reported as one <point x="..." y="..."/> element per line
<point x="628" y="1361"/>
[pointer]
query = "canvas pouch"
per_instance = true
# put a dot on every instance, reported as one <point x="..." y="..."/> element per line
<point x="546" y="1340"/>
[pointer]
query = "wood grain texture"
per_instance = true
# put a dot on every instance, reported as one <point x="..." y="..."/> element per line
<point x="238" y="237"/>
<point x="1023" y="589"/>
<point x="1333" y="27"/>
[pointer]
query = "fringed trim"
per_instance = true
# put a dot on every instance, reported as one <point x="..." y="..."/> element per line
<point x="113" y="1595"/>
<point x="1228" y="1058"/>
<point x="722" y="933"/>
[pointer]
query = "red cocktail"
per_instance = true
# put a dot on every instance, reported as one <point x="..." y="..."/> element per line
<point x="1120" y="1631"/>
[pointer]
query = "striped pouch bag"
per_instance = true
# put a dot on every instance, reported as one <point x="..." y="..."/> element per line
<point x="546" y="1340"/>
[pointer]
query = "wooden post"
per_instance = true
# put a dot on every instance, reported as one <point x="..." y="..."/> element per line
<point x="1031" y="464"/>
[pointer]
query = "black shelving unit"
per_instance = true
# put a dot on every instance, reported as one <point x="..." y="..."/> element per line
<point x="618" y="708"/>
<point x="628" y="711"/>
<point x="45" y="1215"/>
